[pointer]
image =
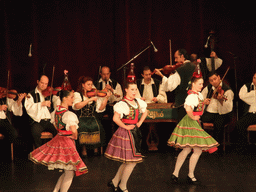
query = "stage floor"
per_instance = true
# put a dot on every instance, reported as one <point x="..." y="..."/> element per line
<point x="217" y="172"/>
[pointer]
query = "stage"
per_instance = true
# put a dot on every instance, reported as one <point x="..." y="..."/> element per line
<point x="217" y="172"/>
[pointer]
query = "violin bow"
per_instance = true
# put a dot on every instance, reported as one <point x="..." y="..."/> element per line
<point x="170" y="45"/>
<point x="215" y="90"/>
<point x="53" y="69"/>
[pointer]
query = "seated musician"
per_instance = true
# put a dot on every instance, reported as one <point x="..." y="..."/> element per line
<point x="179" y="80"/>
<point x="248" y="96"/>
<point x="219" y="106"/>
<point x="8" y="105"/>
<point x="150" y="89"/>
<point x="106" y="82"/>
<point x="38" y="109"/>
<point x="117" y="94"/>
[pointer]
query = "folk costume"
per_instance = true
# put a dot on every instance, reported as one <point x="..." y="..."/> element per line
<point x="91" y="132"/>
<point x="6" y="127"/>
<point x="179" y="82"/>
<point x="153" y="89"/>
<point x="247" y="95"/>
<point x="217" y="113"/>
<point x="188" y="132"/>
<point x="60" y="152"/>
<point x="39" y="115"/>
<point x="124" y="145"/>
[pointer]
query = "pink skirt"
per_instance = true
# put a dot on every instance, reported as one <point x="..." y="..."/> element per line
<point x="59" y="153"/>
<point x="121" y="147"/>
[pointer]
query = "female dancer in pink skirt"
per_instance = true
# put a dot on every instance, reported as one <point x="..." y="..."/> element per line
<point x="60" y="152"/>
<point x="124" y="145"/>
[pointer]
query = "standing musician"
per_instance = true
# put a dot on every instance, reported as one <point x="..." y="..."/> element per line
<point x="220" y="105"/>
<point x="38" y="108"/>
<point x="8" y="105"/>
<point x="247" y="94"/>
<point x="150" y="89"/>
<point x="179" y="80"/>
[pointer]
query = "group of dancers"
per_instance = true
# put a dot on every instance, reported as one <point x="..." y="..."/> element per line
<point x="125" y="145"/>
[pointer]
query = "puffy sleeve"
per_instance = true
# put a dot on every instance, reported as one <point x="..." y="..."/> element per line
<point x="143" y="105"/>
<point x="98" y="104"/>
<point x="121" y="108"/>
<point x="77" y="99"/>
<point x="70" y="118"/>
<point x="192" y="101"/>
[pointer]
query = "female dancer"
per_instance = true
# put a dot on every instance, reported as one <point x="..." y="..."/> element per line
<point x="189" y="135"/>
<point x="60" y="152"/>
<point x="124" y="145"/>
<point x="91" y="132"/>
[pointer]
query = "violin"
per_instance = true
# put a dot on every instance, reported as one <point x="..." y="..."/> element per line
<point x="51" y="91"/>
<point x="219" y="93"/>
<point x="169" y="69"/>
<point x="11" y="94"/>
<point x="98" y="93"/>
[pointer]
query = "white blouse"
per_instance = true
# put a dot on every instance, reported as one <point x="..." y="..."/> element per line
<point x="123" y="109"/>
<point x="69" y="118"/>
<point x="192" y="100"/>
<point x="78" y="99"/>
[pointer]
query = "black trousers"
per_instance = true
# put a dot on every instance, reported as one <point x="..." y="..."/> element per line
<point x="38" y="128"/>
<point x="241" y="127"/>
<point x="9" y="132"/>
<point x="219" y="122"/>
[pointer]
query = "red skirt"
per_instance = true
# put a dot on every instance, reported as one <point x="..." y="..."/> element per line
<point x="121" y="147"/>
<point x="59" y="153"/>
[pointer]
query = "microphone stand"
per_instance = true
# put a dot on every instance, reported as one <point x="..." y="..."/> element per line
<point x="234" y="58"/>
<point x="124" y="65"/>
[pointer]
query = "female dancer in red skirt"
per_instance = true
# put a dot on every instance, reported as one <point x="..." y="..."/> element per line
<point x="124" y="145"/>
<point x="60" y="152"/>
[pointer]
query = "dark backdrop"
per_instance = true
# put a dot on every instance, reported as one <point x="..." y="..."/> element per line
<point x="81" y="35"/>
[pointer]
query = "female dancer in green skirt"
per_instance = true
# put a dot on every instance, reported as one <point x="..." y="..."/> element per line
<point x="189" y="135"/>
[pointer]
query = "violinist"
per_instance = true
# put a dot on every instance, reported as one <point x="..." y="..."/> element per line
<point x="38" y="109"/>
<point x="8" y="105"/>
<point x="247" y="94"/>
<point x="179" y="80"/>
<point x="220" y="105"/>
<point x="91" y="132"/>
<point x="150" y="89"/>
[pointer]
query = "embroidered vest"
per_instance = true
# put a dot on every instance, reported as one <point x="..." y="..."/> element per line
<point x="87" y="111"/>
<point x="199" y="109"/>
<point x="133" y="116"/>
<point x="58" y="118"/>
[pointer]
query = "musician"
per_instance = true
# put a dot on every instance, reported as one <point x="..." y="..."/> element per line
<point x="8" y="105"/>
<point x="106" y="82"/>
<point x="91" y="132"/>
<point x="179" y="80"/>
<point x="150" y="89"/>
<point x="38" y="109"/>
<point x="220" y="106"/>
<point x="247" y="94"/>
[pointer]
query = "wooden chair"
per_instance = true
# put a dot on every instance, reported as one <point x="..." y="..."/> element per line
<point x="250" y="128"/>
<point x="2" y="137"/>
<point x="210" y="127"/>
<point x="45" y="135"/>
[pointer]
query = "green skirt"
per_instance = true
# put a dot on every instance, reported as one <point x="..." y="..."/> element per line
<point x="189" y="133"/>
<point x="91" y="132"/>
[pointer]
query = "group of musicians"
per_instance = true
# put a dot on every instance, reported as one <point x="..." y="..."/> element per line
<point x="218" y="111"/>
